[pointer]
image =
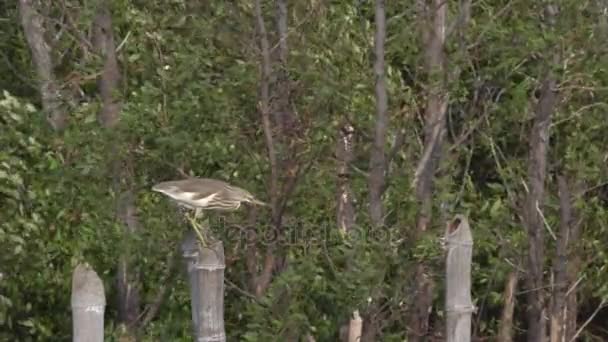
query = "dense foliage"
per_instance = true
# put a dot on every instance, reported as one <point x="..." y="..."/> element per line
<point x="190" y="90"/>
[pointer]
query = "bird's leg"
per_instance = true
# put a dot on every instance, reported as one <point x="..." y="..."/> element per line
<point x="196" y="226"/>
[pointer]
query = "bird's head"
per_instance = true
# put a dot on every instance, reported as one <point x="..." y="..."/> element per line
<point x="166" y="188"/>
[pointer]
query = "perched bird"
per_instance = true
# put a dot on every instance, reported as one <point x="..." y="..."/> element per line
<point x="205" y="194"/>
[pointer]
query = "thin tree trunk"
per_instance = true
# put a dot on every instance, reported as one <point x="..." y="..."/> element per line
<point x="505" y="331"/>
<point x="571" y="297"/>
<point x="284" y="115"/>
<point x="108" y="83"/>
<point x="378" y="158"/>
<point x="289" y="126"/>
<point x="533" y="209"/>
<point x="33" y="27"/>
<point x="377" y="163"/>
<point x="573" y="270"/>
<point x="560" y="287"/>
<point x="128" y="280"/>
<point x="345" y="213"/>
<point x="424" y="177"/>
<point x="284" y="168"/>
<point x="537" y="169"/>
<point x="262" y="281"/>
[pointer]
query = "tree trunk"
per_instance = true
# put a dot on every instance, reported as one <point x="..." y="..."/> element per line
<point x="560" y="275"/>
<point x="377" y="162"/>
<point x="284" y="115"/>
<point x="505" y="330"/>
<point x="539" y="144"/>
<point x="437" y="101"/>
<point x="128" y="279"/>
<point x="573" y="271"/>
<point x="33" y="27"/>
<point x="262" y="280"/>
<point x="108" y="83"/>
<point x="533" y="216"/>
<point x="345" y="213"/>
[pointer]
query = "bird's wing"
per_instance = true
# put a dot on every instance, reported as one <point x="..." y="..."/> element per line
<point x="204" y="186"/>
<point x="200" y="196"/>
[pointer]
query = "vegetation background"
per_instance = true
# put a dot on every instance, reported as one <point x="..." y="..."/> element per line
<point x="367" y="125"/>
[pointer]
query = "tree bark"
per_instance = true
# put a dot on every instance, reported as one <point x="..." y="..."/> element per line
<point x="262" y="280"/>
<point x="128" y="279"/>
<point x="537" y="169"/>
<point x="570" y="318"/>
<point x="434" y="131"/>
<point x="533" y="209"/>
<point x="282" y="137"/>
<point x="505" y="330"/>
<point x="377" y="162"/>
<point x="574" y="271"/>
<point x="345" y="213"/>
<point x="108" y="83"/>
<point x="560" y="276"/>
<point x="565" y="269"/>
<point x="33" y="27"/>
<point x="285" y="119"/>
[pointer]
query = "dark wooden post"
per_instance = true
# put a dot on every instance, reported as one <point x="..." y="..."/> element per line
<point x="458" y="280"/>
<point x="205" y="267"/>
<point x="88" y="305"/>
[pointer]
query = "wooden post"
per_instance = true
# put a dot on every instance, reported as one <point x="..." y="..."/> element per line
<point x="355" y="327"/>
<point x="205" y="267"/>
<point x="458" y="280"/>
<point x="88" y="305"/>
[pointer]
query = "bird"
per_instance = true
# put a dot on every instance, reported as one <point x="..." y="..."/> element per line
<point x="205" y="194"/>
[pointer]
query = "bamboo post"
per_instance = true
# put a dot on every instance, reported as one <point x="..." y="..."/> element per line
<point x="205" y="267"/>
<point x="88" y="305"/>
<point x="458" y="280"/>
<point x="355" y="327"/>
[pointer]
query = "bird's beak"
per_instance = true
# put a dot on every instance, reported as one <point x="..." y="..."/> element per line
<point x="158" y="188"/>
